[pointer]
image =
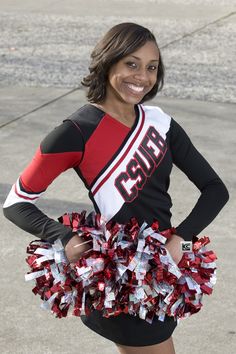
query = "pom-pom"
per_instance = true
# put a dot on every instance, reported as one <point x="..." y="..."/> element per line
<point x="128" y="270"/>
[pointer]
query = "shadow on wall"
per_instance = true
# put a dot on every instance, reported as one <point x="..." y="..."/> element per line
<point x="52" y="207"/>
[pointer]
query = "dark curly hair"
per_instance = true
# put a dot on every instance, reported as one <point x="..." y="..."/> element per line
<point x="121" y="40"/>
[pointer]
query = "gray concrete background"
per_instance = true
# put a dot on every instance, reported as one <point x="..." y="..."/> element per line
<point x="48" y="44"/>
<point x="44" y="50"/>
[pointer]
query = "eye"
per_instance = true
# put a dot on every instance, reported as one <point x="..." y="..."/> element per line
<point x="152" y="67"/>
<point x="131" y="64"/>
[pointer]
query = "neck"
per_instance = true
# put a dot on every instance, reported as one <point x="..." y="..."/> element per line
<point x="124" y="113"/>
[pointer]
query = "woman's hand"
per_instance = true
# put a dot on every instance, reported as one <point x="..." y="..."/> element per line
<point x="76" y="247"/>
<point x="173" y="245"/>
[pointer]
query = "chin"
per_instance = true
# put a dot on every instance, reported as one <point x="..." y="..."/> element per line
<point x="132" y="99"/>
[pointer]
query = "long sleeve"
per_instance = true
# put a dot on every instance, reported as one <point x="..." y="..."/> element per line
<point x="60" y="150"/>
<point x="214" y="194"/>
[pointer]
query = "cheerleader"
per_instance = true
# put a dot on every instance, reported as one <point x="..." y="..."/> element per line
<point x="123" y="151"/>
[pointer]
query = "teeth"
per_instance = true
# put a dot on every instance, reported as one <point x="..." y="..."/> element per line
<point x="136" y="88"/>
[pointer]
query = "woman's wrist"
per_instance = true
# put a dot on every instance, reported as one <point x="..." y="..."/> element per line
<point x="76" y="246"/>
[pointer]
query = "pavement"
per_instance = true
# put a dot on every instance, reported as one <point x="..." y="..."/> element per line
<point x="44" y="53"/>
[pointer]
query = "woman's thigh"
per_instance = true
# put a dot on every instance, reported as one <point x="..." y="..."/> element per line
<point x="166" y="347"/>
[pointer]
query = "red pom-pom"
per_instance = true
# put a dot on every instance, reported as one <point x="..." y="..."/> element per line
<point x="128" y="270"/>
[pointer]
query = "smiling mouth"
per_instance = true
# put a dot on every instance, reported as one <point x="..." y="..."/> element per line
<point x="135" y="88"/>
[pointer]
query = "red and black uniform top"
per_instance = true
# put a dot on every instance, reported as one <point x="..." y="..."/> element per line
<point x="126" y="171"/>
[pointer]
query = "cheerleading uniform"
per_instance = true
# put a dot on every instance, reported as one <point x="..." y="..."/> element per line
<point x="126" y="171"/>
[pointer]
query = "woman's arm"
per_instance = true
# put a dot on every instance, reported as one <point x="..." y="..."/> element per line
<point x="60" y="150"/>
<point x="213" y="196"/>
<point x="214" y="193"/>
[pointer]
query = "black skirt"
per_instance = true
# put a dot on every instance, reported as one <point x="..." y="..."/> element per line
<point x="130" y="330"/>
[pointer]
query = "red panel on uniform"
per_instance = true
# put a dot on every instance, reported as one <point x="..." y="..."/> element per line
<point x="109" y="132"/>
<point x="44" y="168"/>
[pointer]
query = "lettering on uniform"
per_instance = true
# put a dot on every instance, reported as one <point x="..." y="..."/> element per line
<point x="142" y="165"/>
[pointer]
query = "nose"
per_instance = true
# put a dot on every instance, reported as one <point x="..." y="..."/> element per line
<point x="141" y="75"/>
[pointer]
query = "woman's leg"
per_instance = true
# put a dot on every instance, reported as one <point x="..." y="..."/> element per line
<point x="166" y="347"/>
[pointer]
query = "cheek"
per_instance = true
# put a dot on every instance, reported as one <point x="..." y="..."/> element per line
<point x="115" y="80"/>
<point x="154" y="80"/>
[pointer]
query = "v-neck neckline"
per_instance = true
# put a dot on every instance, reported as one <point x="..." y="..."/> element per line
<point x="137" y="116"/>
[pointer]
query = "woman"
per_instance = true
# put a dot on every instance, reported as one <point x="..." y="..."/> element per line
<point x="123" y="151"/>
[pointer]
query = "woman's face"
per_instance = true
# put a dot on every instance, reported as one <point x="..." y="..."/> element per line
<point x="131" y="78"/>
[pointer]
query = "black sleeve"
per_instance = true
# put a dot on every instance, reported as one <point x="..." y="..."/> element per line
<point x="31" y="219"/>
<point x="60" y="150"/>
<point x="214" y="194"/>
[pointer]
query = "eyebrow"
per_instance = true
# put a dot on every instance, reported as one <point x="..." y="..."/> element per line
<point x="140" y="59"/>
